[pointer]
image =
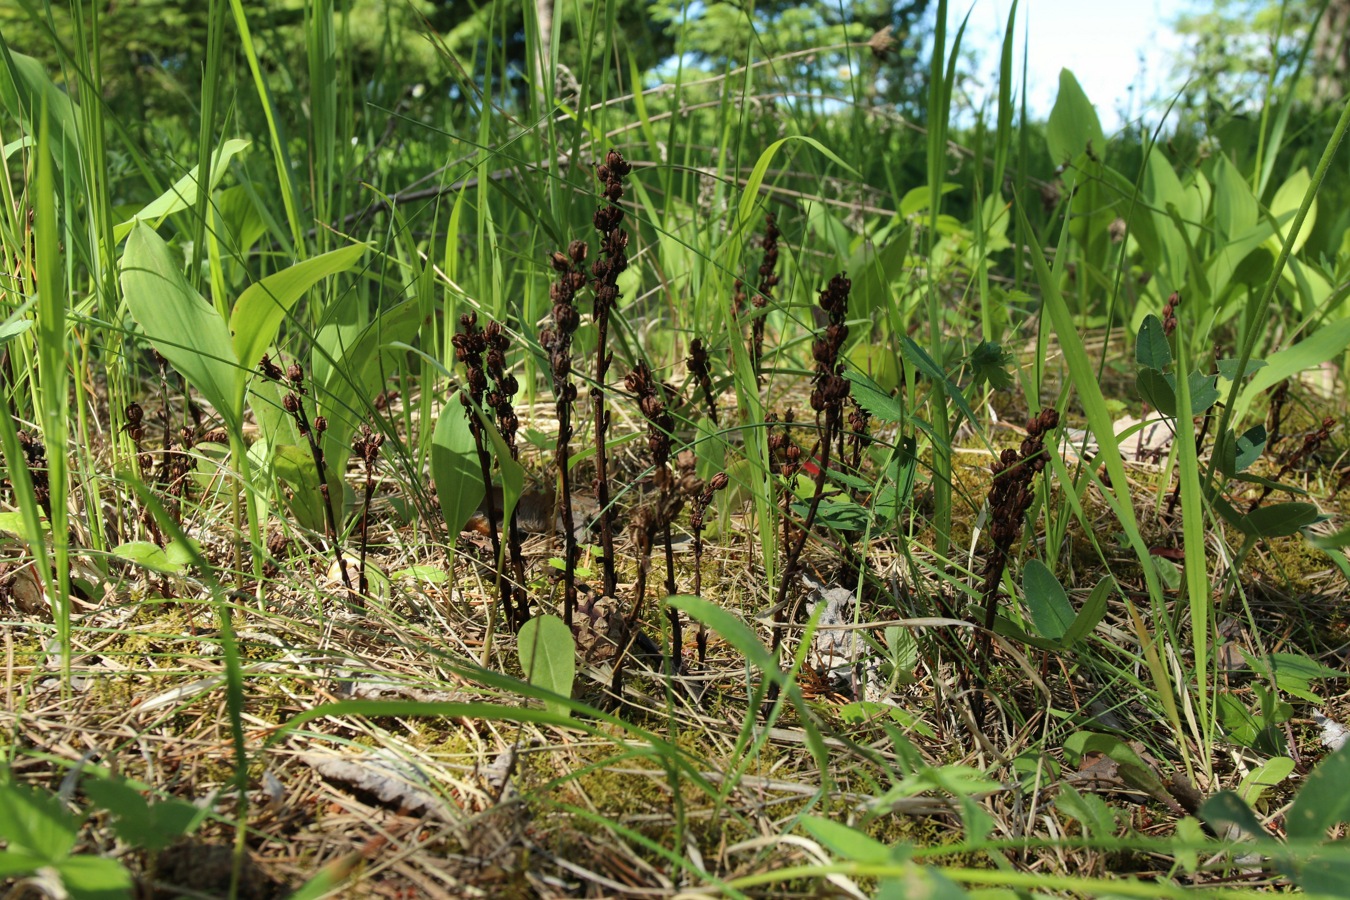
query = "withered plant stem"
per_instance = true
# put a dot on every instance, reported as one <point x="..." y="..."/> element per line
<point x="795" y="550"/>
<point x="557" y="343"/>
<point x="612" y="262"/>
<point x="367" y="449"/>
<point x="696" y="524"/>
<point x="644" y="532"/>
<point x="1010" y="497"/>
<point x="500" y="399"/>
<point x="1199" y="446"/>
<point x="470" y="343"/>
<point x="700" y="368"/>
<point x="293" y="403"/>
<point x="664" y="502"/>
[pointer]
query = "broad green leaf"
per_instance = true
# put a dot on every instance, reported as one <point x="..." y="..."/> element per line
<point x="882" y="369"/>
<point x="1073" y="126"/>
<point x="1334" y="541"/>
<point x="178" y="322"/>
<point x="1293" y="673"/>
<point x="36" y="821"/>
<point x="730" y="629"/>
<point x="14" y="863"/>
<point x="1050" y="607"/>
<point x="1326" y="874"/>
<point x="1097" y="818"/>
<point x="1151" y="349"/>
<point x="147" y="555"/>
<point x="548" y="657"/>
<point x="1157" y="390"/>
<point x="356" y="374"/>
<point x="1285" y="205"/>
<point x="1235" y="455"/>
<point x="455" y="469"/>
<point x="1323" y="800"/>
<point x="919" y="199"/>
<point x="94" y="878"/>
<point x="1228" y="368"/>
<point x="263" y="305"/>
<point x="14" y="523"/>
<point x="873" y="398"/>
<point x="1278" y="519"/>
<point x="846" y="843"/>
<point x="929" y="367"/>
<point x="875" y="269"/>
<point x="16" y="324"/>
<point x="1227" y="808"/>
<point x="992" y="365"/>
<point x="25" y="87"/>
<point x="1093" y="611"/>
<point x="1263" y="777"/>
<point x="1323" y="344"/>
<point x="152" y="826"/>
<point x="1204" y="392"/>
<point x="183" y="193"/>
<point x="1132" y="768"/>
<point x="429" y="574"/>
<point x="512" y="472"/>
<point x="1235" y="209"/>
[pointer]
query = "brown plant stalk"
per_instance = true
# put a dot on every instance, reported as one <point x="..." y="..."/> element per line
<point x="605" y="272"/>
<point x="1010" y="497"/>
<point x="829" y="393"/>
<point x="556" y="339"/>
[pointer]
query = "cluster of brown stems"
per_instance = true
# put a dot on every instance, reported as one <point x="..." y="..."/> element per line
<point x="294" y="379"/>
<point x="482" y="352"/>
<point x="659" y="507"/>
<point x="829" y="392"/>
<point x="556" y="339"/>
<point x="366" y="447"/>
<point x="700" y="367"/>
<point x="768" y="280"/>
<point x="605" y="272"/>
<point x="1010" y="497"/>
<point x="697" y="518"/>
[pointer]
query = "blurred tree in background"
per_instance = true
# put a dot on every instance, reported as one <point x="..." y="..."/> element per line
<point x="151" y="51"/>
<point x="1237" y="45"/>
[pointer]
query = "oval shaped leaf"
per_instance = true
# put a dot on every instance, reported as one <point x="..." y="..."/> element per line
<point x="1151" y="349"/>
<point x="183" y="193"/>
<point x="548" y="656"/>
<point x="178" y="322"/>
<point x="148" y="555"/>
<point x="1278" y="519"/>
<point x="1073" y="124"/>
<point x="1050" y="607"/>
<point x="258" y="313"/>
<point x="454" y="467"/>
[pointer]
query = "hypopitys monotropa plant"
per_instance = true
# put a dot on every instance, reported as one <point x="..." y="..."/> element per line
<point x="701" y="370"/>
<point x="556" y="339"/>
<point x="366" y="447"/>
<point x="294" y="379"/>
<point x="605" y="272"/>
<point x="768" y="280"/>
<point x="829" y="392"/>
<point x="470" y="344"/>
<point x="500" y="399"/>
<point x="1010" y="497"/>
<point x="661" y="503"/>
<point x="697" y="517"/>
